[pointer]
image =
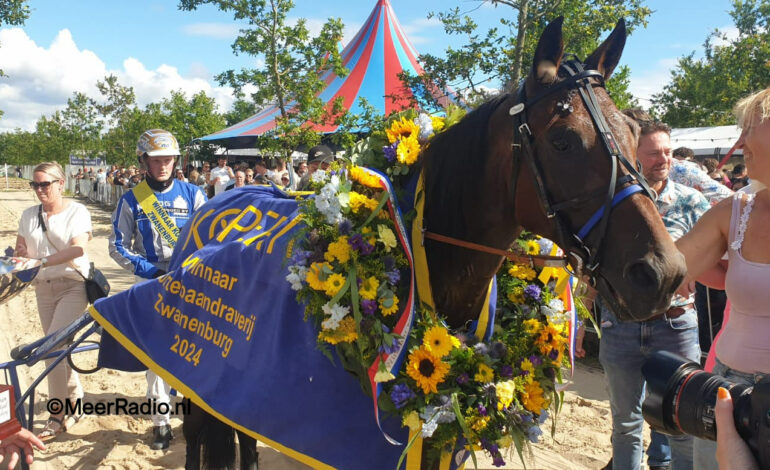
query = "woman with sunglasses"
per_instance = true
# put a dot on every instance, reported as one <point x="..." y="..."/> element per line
<point x="56" y="232"/>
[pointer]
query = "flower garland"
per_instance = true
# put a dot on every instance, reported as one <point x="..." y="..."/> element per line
<point x="352" y="274"/>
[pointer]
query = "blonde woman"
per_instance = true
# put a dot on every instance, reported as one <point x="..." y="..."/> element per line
<point x="56" y="232"/>
<point x="740" y="226"/>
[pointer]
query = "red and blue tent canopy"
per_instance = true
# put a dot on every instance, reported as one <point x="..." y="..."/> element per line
<point x="375" y="57"/>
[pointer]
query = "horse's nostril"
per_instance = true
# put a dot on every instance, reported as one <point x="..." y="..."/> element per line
<point x="642" y="275"/>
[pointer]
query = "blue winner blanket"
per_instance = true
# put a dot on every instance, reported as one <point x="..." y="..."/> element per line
<point x="223" y="327"/>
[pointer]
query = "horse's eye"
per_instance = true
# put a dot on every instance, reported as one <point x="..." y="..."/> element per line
<point x="560" y="144"/>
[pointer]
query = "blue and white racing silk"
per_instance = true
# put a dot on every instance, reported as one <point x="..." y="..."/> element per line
<point x="135" y="243"/>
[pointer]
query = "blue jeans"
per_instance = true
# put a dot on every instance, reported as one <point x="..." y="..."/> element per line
<point x="623" y="348"/>
<point x="704" y="451"/>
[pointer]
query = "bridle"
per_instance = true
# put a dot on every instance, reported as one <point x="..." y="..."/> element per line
<point x="578" y="80"/>
<point x="619" y="189"/>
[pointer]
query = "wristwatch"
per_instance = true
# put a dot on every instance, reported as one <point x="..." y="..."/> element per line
<point x="43" y="262"/>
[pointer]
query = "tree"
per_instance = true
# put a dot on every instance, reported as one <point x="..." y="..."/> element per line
<point x="504" y="52"/>
<point x="240" y="110"/>
<point x="701" y="92"/>
<point x="188" y="120"/>
<point x="294" y="62"/>
<point x="81" y="120"/>
<point x="119" y="104"/>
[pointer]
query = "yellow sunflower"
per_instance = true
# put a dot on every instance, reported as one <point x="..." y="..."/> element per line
<point x="426" y="369"/>
<point x="389" y="306"/>
<point x="358" y="200"/>
<point x="361" y="176"/>
<point x="533" y="398"/>
<point x="345" y="333"/>
<point x="368" y="289"/>
<point x="315" y="276"/>
<point x="485" y="374"/>
<point x="439" y="342"/>
<point x="339" y="249"/>
<point x="334" y="283"/>
<point x="532" y="326"/>
<point x="533" y="247"/>
<point x="401" y="129"/>
<point x="408" y="150"/>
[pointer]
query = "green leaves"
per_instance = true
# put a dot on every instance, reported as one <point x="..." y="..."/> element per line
<point x="702" y="92"/>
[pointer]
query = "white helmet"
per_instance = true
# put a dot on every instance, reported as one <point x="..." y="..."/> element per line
<point x="157" y="143"/>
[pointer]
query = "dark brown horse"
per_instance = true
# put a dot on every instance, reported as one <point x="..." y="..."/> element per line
<point x="556" y="158"/>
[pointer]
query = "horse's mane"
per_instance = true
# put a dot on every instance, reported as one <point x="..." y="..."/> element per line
<point x="455" y="162"/>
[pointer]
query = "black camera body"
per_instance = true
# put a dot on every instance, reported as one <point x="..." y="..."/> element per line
<point x="681" y="399"/>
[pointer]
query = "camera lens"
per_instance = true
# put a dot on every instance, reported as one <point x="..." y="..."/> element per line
<point x="681" y="397"/>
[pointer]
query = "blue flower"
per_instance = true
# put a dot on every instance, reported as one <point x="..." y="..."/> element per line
<point x="390" y="152"/>
<point x="389" y="262"/>
<point x="300" y="257"/>
<point x="393" y="276"/>
<point x="369" y="306"/>
<point x="506" y="371"/>
<point x="532" y="291"/>
<point x="463" y="379"/>
<point x="534" y="433"/>
<point x="400" y="394"/>
<point x="345" y="226"/>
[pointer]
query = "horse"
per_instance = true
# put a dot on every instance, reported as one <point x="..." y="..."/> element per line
<point x="555" y="158"/>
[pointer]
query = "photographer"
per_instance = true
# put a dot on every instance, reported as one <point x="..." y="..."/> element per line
<point x="739" y="225"/>
<point x="732" y="451"/>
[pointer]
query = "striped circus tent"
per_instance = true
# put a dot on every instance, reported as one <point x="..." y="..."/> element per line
<point x="374" y="58"/>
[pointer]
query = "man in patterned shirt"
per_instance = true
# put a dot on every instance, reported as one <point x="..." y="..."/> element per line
<point x="624" y="346"/>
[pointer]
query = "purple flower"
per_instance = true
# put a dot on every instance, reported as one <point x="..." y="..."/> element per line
<point x="463" y="379"/>
<point x="482" y="409"/>
<point x="369" y="306"/>
<point x="506" y="371"/>
<point x="553" y="354"/>
<point x="358" y="243"/>
<point x="536" y="360"/>
<point x="345" y="226"/>
<point x="498" y="460"/>
<point x="400" y="394"/>
<point x="532" y="291"/>
<point x="390" y="152"/>
<point x="389" y="262"/>
<point x="300" y="257"/>
<point x="385" y="349"/>
<point x="393" y="276"/>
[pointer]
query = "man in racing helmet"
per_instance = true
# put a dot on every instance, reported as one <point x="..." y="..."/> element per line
<point x="142" y="245"/>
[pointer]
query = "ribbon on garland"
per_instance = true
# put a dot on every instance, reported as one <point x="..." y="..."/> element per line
<point x="564" y="287"/>
<point x="391" y="363"/>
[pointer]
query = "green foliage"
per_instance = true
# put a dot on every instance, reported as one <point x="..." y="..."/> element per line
<point x="505" y="52"/>
<point x="241" y="109"/>
<point x="293" y="63"/>
<point x="702" y="91"/>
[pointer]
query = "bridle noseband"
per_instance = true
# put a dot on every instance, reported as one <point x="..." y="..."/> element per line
<point x="577" y="79"/>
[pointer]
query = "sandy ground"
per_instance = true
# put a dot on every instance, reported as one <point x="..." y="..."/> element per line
<point x="121" y="442"/>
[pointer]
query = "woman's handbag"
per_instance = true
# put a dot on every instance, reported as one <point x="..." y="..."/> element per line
<point x="97" y="285"/>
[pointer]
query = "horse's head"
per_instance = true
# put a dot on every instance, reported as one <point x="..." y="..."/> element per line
<point x="580" y="155"/>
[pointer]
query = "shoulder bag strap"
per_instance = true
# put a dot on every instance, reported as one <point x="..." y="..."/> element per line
<point x="50" y="242"/>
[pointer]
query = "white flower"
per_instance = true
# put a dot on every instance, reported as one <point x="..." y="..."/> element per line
<point x="336" y="313"/>
<point x="556" y="305"/>
<point x="545" y="246"/>
<point x="328" y="204"/>
<point x="296" y="276"/>
<point x="344" y="199"/>
<point x="319" y="176"/>
<point x="425" y="124"/>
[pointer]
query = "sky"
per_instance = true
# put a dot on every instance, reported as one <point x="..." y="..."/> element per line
<point x="67" y="45"/>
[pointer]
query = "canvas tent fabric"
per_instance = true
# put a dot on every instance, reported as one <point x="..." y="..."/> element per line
<point x="374" y="58"/>
<point x="706" y="141"/>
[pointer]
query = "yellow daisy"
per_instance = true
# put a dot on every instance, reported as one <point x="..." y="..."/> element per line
<point x="359" y="175"/>
<point x="426" y="369"/>
<point x="532" y="398"/>
<point x="485" y="374"/>
<point x="334" y="283"/>
<point x="522" y="271"/>
<point x="401" y="129"/>
<point x="532" y="326"/>
<point x="315" y="277"/>
<point x="358" y="201"/>
<point x="368" y="289"/>
<point x="408" y="150"/>
<point x="516" y="295"/>
<point x="533" y="247"/>
<point x="389" y="306"/>
<point x="439" y="342"/>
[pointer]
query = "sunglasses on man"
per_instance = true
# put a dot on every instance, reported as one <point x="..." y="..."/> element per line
<point x="42" y="184"/>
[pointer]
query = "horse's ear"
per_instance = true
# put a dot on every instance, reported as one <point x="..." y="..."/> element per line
<point x="606" y="57"/>
<point x="550" y="49"/>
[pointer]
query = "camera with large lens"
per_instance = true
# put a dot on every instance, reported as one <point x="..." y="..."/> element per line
<point x="681" y="399"/>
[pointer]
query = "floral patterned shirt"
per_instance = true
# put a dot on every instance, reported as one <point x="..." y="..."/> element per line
<point x="680" y="207"/>
<point x="690" y="174"/>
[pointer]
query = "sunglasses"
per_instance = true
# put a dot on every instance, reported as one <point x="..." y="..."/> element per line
<point x="42" y="184"/>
